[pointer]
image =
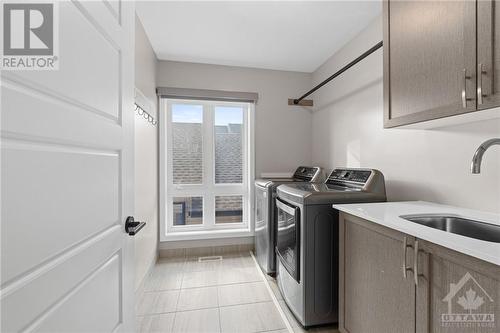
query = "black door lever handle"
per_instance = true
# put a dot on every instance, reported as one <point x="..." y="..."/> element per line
<point x="132" y="227"/>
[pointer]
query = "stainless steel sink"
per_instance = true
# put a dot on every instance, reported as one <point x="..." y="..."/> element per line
<point x="458" y="225"/>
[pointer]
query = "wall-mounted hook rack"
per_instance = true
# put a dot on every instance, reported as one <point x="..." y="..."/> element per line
<point x="141" y="112"/>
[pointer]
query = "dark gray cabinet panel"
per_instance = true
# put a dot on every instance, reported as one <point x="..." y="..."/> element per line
<point x="374" y="296"/>
<point x="488" y="54"/>
<point x="429" y="60"/>
<point x="451" y="287"/>
<point x="453" y="293"/>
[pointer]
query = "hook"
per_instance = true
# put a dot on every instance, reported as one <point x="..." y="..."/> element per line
<point x="144" y="114"/>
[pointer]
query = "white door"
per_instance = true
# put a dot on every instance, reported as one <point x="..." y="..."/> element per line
<point x="67" y="179"/>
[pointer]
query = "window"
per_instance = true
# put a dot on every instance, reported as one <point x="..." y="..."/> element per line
<point x="207" y="159"/>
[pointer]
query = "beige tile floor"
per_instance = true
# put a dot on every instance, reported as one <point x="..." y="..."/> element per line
<point x="228" y="296"/>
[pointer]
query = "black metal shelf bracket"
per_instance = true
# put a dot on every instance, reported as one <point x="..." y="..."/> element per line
<point x="299" y="101"/>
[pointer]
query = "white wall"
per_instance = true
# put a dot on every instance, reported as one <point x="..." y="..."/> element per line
<point x="146" y="158"/>
<point x="431" y="165"/>
<point x="282" y="132"/>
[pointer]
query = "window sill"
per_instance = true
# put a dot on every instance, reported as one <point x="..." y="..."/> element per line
<point x="205" y="234"/>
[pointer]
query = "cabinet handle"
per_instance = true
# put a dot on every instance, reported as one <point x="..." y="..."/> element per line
<point x="480" y="72"/>
<point x="405" y="247"/>
<point x="464" y="89"/>
<point x="415" y="263"/>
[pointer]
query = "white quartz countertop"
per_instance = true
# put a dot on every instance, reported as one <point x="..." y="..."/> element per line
<point x="388" y="214"/>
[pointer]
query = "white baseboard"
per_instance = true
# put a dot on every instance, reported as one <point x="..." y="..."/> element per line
<point x="186" y="244"/>
<point x="140" y="288"/>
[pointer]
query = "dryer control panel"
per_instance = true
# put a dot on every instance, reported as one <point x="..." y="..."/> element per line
<point x="308" y="174"/>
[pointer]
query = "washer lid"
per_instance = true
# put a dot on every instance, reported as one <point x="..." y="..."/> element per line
<point x="267" y="182"/>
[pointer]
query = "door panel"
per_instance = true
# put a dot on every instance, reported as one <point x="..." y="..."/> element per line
<point x="477" y="291"/>
<point x="488" y="53"/>
<point x="427" y="46"/>
<point x="105" y="314"/>
<point x="67" y="179"/>
<point x="77" y="265"/>
<point x="374" y="295"/>
<point x="29" y="173"/>
<point x="59" y="122"/>
<point x="86" y="59"/>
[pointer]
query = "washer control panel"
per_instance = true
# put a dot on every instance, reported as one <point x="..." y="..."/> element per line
<point x="349" y="176"/>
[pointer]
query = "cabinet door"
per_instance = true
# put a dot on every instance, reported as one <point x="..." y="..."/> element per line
<point x="488" y="54"/>
<point x="429" y="60"/>
<point x="374" y="296"/>
<point x="456" y="293"/>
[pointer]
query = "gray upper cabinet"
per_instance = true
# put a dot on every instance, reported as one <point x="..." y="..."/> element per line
<point x="488" y="54"/>
<point x="430" y="62"/>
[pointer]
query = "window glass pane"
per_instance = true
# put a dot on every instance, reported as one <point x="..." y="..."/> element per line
<point x="187" y="144"/>
<point x="228" y="145"/>
<point x="188" y="210"/>
<point x="229" y="209"/>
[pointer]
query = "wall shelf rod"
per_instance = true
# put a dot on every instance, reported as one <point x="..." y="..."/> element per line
<point x="374" y="48"/>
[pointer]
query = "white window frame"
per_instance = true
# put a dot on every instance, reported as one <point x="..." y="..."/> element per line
<point x="208" y="190"/>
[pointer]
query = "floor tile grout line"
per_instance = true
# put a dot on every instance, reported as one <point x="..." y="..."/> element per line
<point x="156" y="313"/>
<point x="220" y="320"/>
<point x="173" y="322"/>
<point x="178" y="298"/>
<point x="273" y="297"/>
<point x="168" y="312"/>
<point x="246" y="303"/>
<point x="218" y="309"/>
<point x="203" y="308"/>
<point x="213" y="285"/>
<point x="207" y="286"/>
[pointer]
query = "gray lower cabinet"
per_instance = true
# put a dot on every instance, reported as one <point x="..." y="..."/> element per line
<point x="373" y="296"/>
<point x="453" y="293"/>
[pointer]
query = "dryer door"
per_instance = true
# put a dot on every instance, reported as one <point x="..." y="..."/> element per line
<point x="288" y="238"/>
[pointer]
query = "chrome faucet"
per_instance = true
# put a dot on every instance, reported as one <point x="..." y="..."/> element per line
<point x="475" y="166"/>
